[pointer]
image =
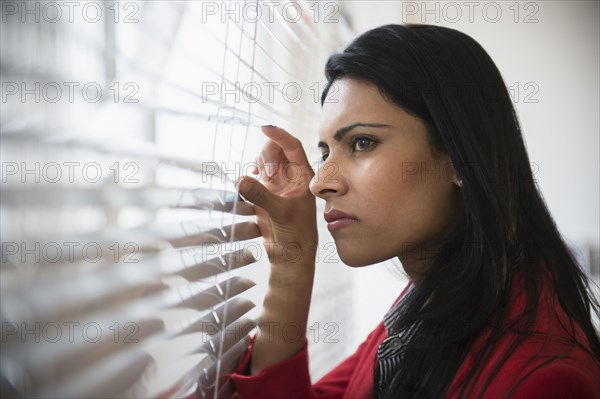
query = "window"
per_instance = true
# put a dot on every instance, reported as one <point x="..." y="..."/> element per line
<point x="124" y="127"/>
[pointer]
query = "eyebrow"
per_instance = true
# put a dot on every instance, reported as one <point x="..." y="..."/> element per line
<point x="339" y="135"/>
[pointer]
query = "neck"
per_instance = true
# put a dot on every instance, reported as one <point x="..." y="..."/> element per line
<point x="417" y="261"/>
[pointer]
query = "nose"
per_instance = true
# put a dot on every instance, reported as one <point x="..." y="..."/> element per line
<point x="328" y="181"/>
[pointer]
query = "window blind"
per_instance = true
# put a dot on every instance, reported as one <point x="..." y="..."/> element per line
<point x="127" y="259"/>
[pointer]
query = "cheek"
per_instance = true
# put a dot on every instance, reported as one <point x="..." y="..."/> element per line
<point x="375" y="173"/>
<point x="427" y="209"/>
<point x="383" y="186"/>
<point x="369" y="185"/>
<point x="407" y="198"/>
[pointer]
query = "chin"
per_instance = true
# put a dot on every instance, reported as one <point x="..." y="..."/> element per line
<point x="357" y="255"/>
<point x="355" y="260"/>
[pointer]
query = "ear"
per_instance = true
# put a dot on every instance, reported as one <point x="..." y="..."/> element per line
<point x="450" y="172"/>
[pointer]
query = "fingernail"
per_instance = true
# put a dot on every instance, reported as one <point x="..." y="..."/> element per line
<point x="269" y="126"/>
<point x="270" y="169"/>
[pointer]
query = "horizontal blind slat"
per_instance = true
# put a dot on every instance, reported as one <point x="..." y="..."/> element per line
<point x="183" y="295"/>
<point x="38" y="357"/>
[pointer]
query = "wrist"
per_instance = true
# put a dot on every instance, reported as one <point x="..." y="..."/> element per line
<point x="291" y="254"/>
<point x="293" y="274"/>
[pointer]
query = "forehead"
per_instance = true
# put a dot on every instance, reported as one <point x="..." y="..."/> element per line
<point x="352" y="101"/>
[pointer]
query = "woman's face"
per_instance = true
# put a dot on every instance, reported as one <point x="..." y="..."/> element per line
<point x="379" y="170"/>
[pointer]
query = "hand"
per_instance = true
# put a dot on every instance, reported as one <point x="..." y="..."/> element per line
<point x="285" y="207"/>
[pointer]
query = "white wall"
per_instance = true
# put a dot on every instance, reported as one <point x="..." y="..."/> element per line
<point x="557" y="54"/>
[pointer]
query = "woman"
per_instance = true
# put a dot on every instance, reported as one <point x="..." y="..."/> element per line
<point x="423" y="160"/>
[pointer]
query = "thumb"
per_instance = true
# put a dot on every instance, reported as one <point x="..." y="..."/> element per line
<point x="253" y="191"/>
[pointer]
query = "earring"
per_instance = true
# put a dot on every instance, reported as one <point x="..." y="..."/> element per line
<point x="459" y="183"/>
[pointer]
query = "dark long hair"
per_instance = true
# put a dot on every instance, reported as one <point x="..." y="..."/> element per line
<point x="446" y="79"/>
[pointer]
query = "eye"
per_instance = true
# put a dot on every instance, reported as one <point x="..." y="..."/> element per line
<point x="324" y="156"/>
<point x="361" y="143"/>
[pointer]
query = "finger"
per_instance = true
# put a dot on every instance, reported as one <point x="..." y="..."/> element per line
<point x="236" y="208"/>
<point x="290" y="145"/>
<point x="271" y="157"/>
<point x="253" y="191"/>
<point x="260" y="167"/>
<point x="255" y="170"/>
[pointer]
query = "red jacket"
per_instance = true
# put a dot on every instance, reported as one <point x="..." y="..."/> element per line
<point x="576" y="376"/>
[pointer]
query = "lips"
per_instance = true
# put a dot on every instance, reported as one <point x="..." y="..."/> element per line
<point x="337" y="219"/>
